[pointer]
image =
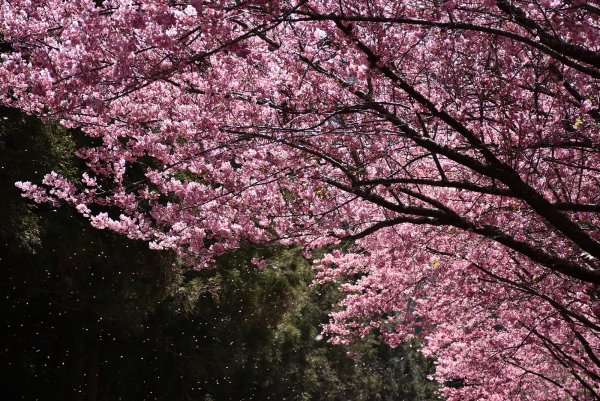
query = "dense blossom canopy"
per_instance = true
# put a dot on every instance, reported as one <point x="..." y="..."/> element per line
<point x="452" y="146"/>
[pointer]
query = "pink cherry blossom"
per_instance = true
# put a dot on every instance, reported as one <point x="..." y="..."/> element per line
<point x="450" y="149"/>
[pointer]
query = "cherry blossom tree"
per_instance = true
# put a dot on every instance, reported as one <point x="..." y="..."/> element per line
<point x="450" y="148"/>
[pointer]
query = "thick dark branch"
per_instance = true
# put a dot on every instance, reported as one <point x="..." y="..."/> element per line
<point x="556" y="43"/>
<point x="592" y="72"/>
<point x="484" y="189"/>
<point x="536" y="254"/>
<point x="495" y="169"/>
<point x="395" y="207"/>
<point x="427" y="199"/>
<point x="442" y="217"/>
<point x="578" y="207"/>
<point x="390" y="223"/>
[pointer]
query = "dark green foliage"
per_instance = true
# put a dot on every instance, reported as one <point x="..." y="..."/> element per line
<point x="404" y="372"/>
<point x="89" y="315"/>
<point x="75" y="298"/>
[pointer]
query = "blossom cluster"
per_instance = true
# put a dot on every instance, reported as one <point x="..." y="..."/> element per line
<point x="449" y="148"/>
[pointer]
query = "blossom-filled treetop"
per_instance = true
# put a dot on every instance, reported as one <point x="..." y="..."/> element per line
<point x="451" y="149"/>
